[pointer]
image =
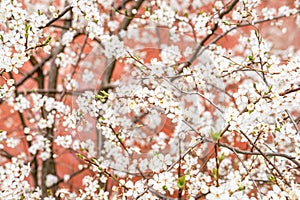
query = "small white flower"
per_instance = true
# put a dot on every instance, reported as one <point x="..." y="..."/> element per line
<point x="51" y="180"/>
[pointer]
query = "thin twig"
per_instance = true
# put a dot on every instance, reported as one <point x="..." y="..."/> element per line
<point x="68" y="8"/>
<point x="195" y="93"/>
<point x="293" y="121"/>
<point x="248" y="172"/>
<point x="203" y="139"/>
<point x="265" y="157"/>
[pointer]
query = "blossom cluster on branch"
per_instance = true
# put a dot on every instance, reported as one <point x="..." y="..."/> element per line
<point x="160" y="99"/>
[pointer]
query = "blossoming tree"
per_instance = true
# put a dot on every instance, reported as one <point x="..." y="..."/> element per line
<point x="161" y="99"/>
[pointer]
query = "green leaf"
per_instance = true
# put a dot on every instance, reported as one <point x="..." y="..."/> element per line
<point x="215" y="135"/>
<point x="27" y="28"/>
<point x="251" y="58"/>
<point x="139" y="125"/>
<point x="215" y="172"/>
<point x="1" y="37"/>
<point x="254" y="86"/>
<point x="277" y="129"/>
<point x="220" y="158"/>
<point x="80" y="156"/>
<point x="226" y="23"/>
<point x="94" y="160"/>
<point x="48" y="40"/>
<point x="105" y="94"/>
<point x="270" y="88"/>
<point x="272" y="178"/>
<point x="241" y="188"/>
<point x="256" y="33"/>
<point x="97" y="96"/>
<point x="181" y="182"/>
<point x="201" y="12"/>
<point x="164" y="187"/>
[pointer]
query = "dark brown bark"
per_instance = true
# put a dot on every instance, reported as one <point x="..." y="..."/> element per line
<point x="49" y="165"/>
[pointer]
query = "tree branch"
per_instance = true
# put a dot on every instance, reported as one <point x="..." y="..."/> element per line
<point x="68" y="8"/>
